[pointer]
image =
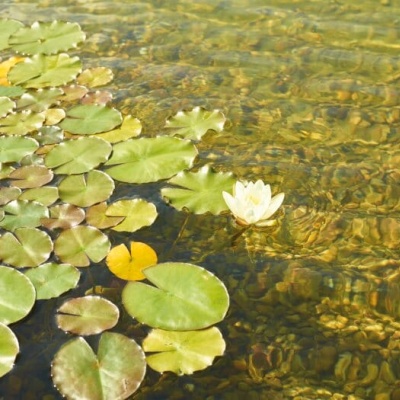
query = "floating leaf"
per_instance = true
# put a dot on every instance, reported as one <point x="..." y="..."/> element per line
<point x="47" y="37"/>
<point x="185" y="297"/>
<point x="90" y="119"/>
<point x="78" y="155"/>
<point x="21" y="123"/>
<point x="41" y="71"/>
<point x="94" y="77"/>
<point x="39" y="100"/>
<point x="31" y="176"/>
<point x="45" y="195"/>
<point x="11" y="91"/>
<point x="49" y="135"/>
<point x="137" y="212"/>
<point x="195" y="123"/>
<point x="73" y="92"/>
<point x="23" y="213"/>
<point x="54" y="116"/>
<point x="96" y="216"/>
<point x="199" y="192"/>
<point x="129" y="265"/>
<point x="114" y="374"/>
<point x="7" y="28"/>
<point x="150" y="159"/>
<point x="63" y="216"/>
<point x="131" y="127"/>
<point x="51" y="280"/>
<point x="99" y="97"/>
<point x="8" y="194"/>
<point x="80" y="245"/>
<point x="6" y="105"/>
<point x="5" y="66"/>
<point x="17" y="295"/>
<point x="9" y="348"/>
<point x="27" y="247"/>
<point x="14" y="149"/>
<point x="87" y="315"/>
<point x="86" y="190"/>
<point x="183" y="352"/>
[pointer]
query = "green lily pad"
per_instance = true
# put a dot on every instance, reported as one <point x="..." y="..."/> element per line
<point x="90" y="119"/>
<point x="73" y="93"/>
<point x="86" y="190"/>
<point x="9" y="348"/>
<point x="49" y="135"/>
<point x="195" y="123"/>
<point x="80" y="245"/>
<point x="41" y="71"/>
<point x="150" y="159"/>
<point x="7" y="28"/>
<point x="138" y="213"/>
<point x="199" y="192"/>
<point x="185" y="297"/>
<point x="6" y="105"/>
<point x="130" y="127"/>
<point x="96" y="216"/>
<point x="183" y="352"/>
<point x="45" y="195"/>
<point x="63" y="216"/>
<point x="31" y="176"/>
<point x="114" y="374"/>
<point x="11" y="91"/>
<point x="94" y="77"/>
<point x="78" y="155"/>
<point x="88" y="315"/>
<point x="23" y="213"/>
<point x="51" y="280"/>
<point x="17" y="295"/>
<point x="21" y="123"/>
<point x="14" y="149"/>
<point x="8" y="194"/>
<point x="39" y="100"/>
<point x="27" y="247"/>
<point x="46" y="37"/>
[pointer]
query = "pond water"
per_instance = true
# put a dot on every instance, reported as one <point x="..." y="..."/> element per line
<point x="311" y="90"/>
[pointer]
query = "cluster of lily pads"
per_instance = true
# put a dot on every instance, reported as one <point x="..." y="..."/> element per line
<point x="62" y="149"/>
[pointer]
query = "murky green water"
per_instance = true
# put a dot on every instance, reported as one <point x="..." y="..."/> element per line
<point x="311" y="90"/>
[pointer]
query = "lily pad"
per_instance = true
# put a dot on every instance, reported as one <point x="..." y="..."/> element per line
<point x="90" y="119"/>
<point x="138" y="213"/>
<point x="114" y="374"/>
<point x="54" y="116"/>
<point x="45" y="195"/>
<point x="183" y="352"/>
<point x="23" y="213"/>
<point x="41" y="71"/>
<point x="86" y="190"/>
<point x="46" y="37"/>
<point x="39" y="100"/>
<point x="51" y="280"/>
<point x="5" y="67"/>
<point x="185" y="297"/>
<point x="17" y="295"/>
<point x="21" y="123"/>
<point x="11" y="91"/>
<point x="129" y="265"/>
<point x="27" y="247"/>
<point x="8" y="194"/>
<point x="131" y="127"/>
<point x="199" y="192"/>
<point x="88" y="315"/>
<point x="9" y="348"/>
<point x="195" y="123"/>
<point x="31" y="176"/>
<point x="80" y="245"/>
<point x="96" y="216"/>
<point x="14" y="149"/>
<point x="78" y="155"/>
<point x="7" y="28"/>
<point x="94" y="77"/>
<point x="6" y="105"/>
<point x="63" y="216"/>
<point x="49" y="135"/>
<point x="150" y="159"/>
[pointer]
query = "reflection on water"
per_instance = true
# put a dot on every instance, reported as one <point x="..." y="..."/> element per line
<point x="311" y="89"/>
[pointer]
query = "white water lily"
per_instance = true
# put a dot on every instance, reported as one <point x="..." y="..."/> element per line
<point x="252" y="203"/>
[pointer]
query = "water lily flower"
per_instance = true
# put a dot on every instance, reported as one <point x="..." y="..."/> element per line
<point x="252" y="203"/>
